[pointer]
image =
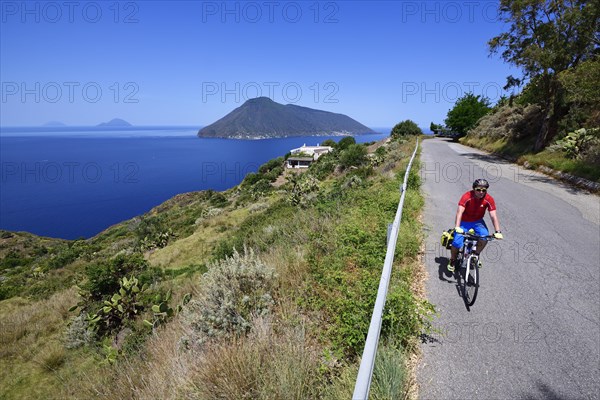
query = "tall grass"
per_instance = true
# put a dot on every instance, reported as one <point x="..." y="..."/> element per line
<point x="263" y="365"/>
<point x="32" y="355"/>
<point x="390" y="375"/>
<point x="275" y="361"/>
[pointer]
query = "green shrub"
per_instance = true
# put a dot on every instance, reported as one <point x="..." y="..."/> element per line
<point x="66" y="254"/>
<point x="260" y="188"/>
<point x="7" y="291"/>
<point x="467" y="110"/>
<point x="270" y="165"/>
<point x="353" y="155"/>
<point x="250" y="179"/>
<point x="345" y="143"/>
<point x="103" y="279"/>
<point x="405" y="128"/>
<point x="302" y="188"/>
<point x="324" y="166"/>
<point x="218" y="199"/>
<point x="578" y="143"/>
<point x="123" y="306"/>
<point x="14" y="259"/>
<point x="509" y="122"/>
<point x="153" y="232"/>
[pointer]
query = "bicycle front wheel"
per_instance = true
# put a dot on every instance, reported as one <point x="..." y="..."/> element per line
<point x="471" y="280"/>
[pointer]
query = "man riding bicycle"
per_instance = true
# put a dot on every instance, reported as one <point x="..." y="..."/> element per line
<point x="471" y="210"/>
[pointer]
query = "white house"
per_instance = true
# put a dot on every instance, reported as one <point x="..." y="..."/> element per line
<point x="303" y="156"/>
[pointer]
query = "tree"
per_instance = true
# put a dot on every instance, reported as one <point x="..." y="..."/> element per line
<point x="435" y="128"/>
<point x="345" y="143"/>
<point x="329" y="142"/>
<point x="546" y="37"/>
<point x="466" y="112"/>
<point x="354" y="155"/>
<point x="405" y="128"/>
<point x="582" y="93"/>
<point x="581" y="83"/>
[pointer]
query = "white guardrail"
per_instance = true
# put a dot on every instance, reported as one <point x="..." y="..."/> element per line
<point x="365" y="372"/>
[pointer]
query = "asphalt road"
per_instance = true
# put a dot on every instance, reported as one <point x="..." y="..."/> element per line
<point x="533" y="332"/>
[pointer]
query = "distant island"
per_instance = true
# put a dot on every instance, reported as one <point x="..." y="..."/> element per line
<point x="54" y="123"/>
<point x="261" y="118"/>
<point x="116" y="122"/>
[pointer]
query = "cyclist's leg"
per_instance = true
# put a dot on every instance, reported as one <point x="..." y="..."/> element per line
<point x="457" y="243"/>
<point x="480" y="229"/>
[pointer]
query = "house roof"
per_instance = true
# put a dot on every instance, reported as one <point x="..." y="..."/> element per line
<point x="311" y="149"/>
<point x="300" y="159"/>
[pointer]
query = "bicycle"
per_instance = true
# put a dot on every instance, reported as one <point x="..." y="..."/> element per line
<point x="467" y="263"/>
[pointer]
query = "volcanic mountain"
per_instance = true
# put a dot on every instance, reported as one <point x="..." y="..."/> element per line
<point x="261" y="117"/>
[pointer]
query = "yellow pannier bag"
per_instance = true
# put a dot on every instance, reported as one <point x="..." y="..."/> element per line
<point x="447" y="238"/>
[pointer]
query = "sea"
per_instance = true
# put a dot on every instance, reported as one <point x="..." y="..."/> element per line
<point x="73" y="182"/>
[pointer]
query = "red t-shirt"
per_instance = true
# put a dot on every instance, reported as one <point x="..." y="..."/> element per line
<point x="474" y="207"/>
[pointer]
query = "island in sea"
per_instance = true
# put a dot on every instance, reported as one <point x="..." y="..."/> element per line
<point x="53" y="124"/>
<point x="262" y="118"/>
<point x="114" y="123"/>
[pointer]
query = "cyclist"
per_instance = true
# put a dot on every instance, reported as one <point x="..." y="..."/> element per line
<point x="471" y="210"/>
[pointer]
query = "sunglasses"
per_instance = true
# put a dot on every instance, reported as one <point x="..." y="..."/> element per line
<point x="480" y="190"/>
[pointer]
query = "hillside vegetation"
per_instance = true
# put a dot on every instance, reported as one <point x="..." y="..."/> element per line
<point x="257" y="292"/>
<point x="552" y="118"/>
<point x="512" y="127"/>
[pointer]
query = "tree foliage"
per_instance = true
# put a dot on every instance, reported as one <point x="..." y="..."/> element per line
<point x="435" y="128"/>
<point x="354" y="155"/>
<point x="405" y="128"/>
<point x="329" y="142"/>
<point x="547" y="36"/>
<point x="345" y="143"/>
<point x="544" y="38"/>
<point x="466" y="112"/>
<point x="582" y="83"/>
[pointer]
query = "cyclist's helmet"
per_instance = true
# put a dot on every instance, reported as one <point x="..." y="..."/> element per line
<point x="481" y="183"/>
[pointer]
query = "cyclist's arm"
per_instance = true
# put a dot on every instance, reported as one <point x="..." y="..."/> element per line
<point x="495" y="220"/>
<point x="459" y="213"/>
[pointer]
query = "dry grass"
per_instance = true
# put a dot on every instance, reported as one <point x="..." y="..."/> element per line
<point x="265" y="365"/>
<point x="23" y="322"/>
<point x="273" y="362"/>
<point x="32" y="355"/>
<point x="161" y="373"/>
<point x="197" y="248"/>
<point x="290" y="265"/>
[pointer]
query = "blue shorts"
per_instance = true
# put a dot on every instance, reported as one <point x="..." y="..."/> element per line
<point x="479" y="227"/>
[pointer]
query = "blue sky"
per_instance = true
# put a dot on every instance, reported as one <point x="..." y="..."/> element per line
<point x="192" y="62"/>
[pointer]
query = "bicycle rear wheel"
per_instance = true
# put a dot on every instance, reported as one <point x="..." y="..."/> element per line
<point x="471" y="280"/>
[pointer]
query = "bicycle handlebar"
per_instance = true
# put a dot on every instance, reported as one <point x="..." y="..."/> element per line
<point x="473" y="236"/>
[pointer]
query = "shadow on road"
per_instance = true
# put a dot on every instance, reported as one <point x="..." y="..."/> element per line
<point x="443" y="273"/>
<point x="450" y="277"/>
<point x="524" y="172"/>
<point x="545" y="392"/>
<point x="487" y="158"/>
